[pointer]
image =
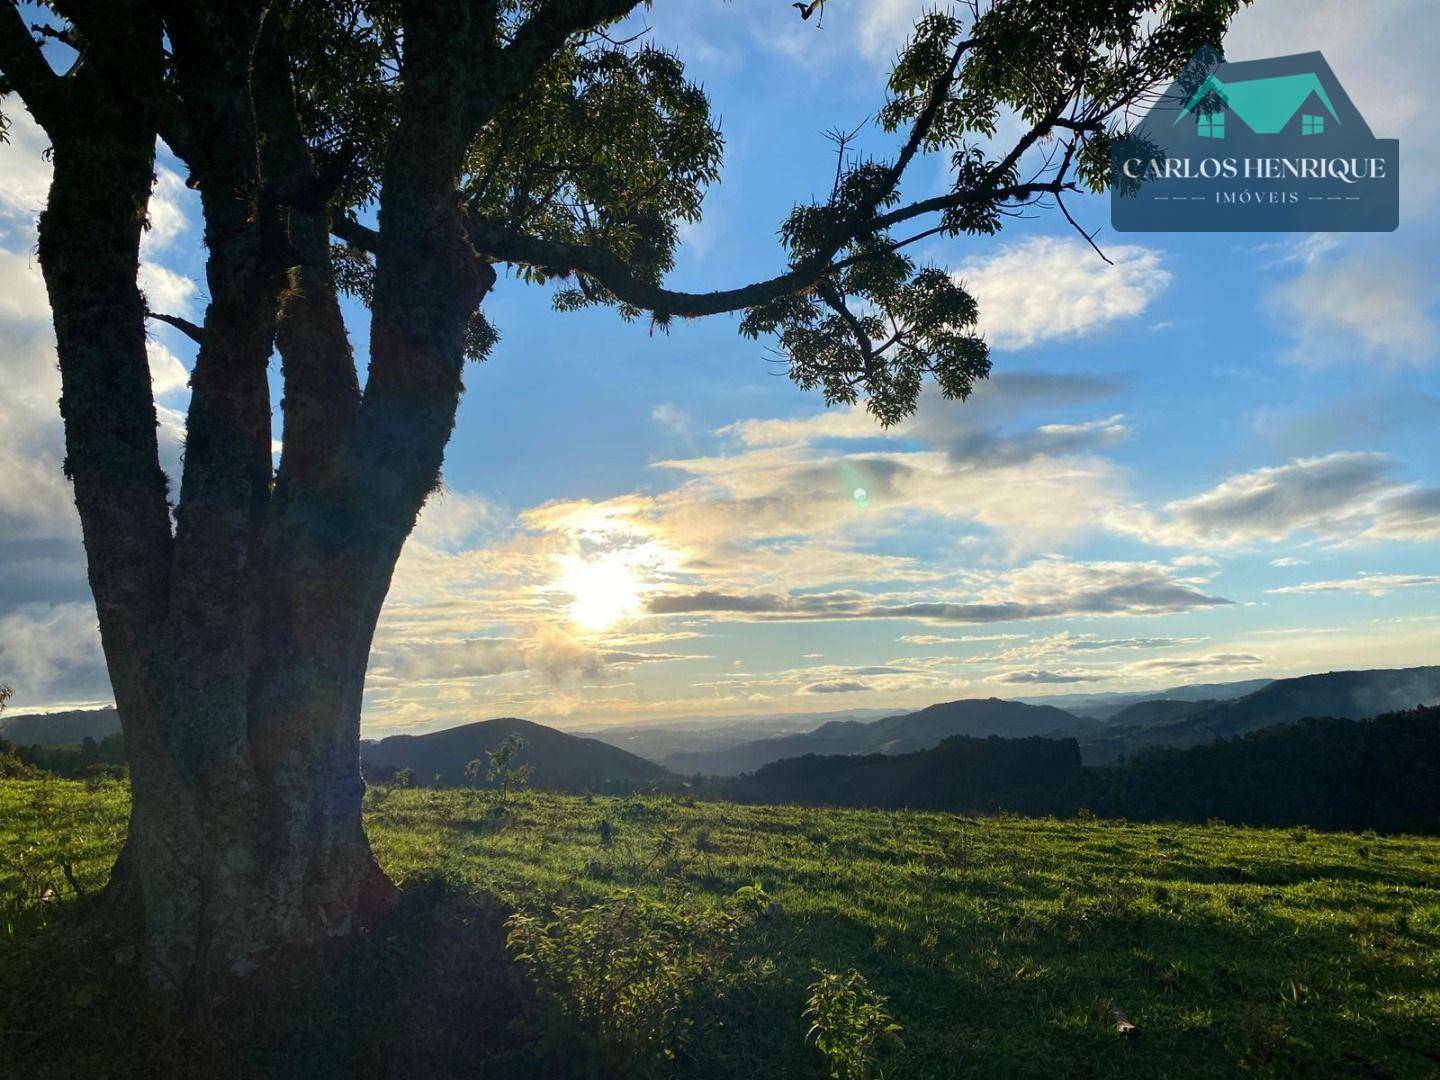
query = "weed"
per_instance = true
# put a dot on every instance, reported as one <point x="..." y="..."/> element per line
<point x="849" y="1024"/>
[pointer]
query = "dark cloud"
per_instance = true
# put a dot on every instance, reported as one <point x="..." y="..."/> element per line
<point x="835" y="686"/>
<point x="1031" y="677"/>
<point x="1197" y="663"/>
<point x="1144" y="591"/>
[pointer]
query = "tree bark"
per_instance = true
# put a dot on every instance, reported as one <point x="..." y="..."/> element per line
<point x="237" y="641"/>
<point x="237" y="644"/>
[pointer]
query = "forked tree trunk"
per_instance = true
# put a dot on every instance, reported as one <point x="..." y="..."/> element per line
<point x="237" y="642"/>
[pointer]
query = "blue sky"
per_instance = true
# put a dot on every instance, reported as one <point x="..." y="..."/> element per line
<point x="1214" y="460"/>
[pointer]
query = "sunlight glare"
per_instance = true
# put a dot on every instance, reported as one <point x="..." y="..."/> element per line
<point x="605" y="588"/>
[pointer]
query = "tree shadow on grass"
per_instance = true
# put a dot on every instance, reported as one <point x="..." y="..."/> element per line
<point x="431" y="992"/>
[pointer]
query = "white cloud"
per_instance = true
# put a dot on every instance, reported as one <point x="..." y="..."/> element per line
<point x="22" y="290"/>
<point x="25" y="180"/>
<point x="1341" y="497"/>
<point x="1178" y="665"/>
<point x="451" y="519"/>
<point x="165" y="290"/>
<point x="50" y="653"/>
<point x="670" y="417"/>
<point x="885" y="26"/>
<point x="1045" y="289"/>
<point x="167" y="373"/>
<point x="172" y="207"/>
<point x="1370" y="307"/>
<point x="1368" y="583"/>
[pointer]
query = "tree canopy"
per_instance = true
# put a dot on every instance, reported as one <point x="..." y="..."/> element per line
<point x="584" y="151"/>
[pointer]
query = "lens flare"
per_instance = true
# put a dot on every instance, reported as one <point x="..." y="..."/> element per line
<point x="862" y="500"/>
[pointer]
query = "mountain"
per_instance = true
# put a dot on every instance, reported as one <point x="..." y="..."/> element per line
<point x="557" y="761"/>
<point x="1157" y="711"/>
<point x="1346" y="695"/>
<point x="59" y="728"/>
<point x="1329" y="773"/>
<point x="891" y="735"/>
<point x="658" y="739"/>
<point x="1104" y="706"/>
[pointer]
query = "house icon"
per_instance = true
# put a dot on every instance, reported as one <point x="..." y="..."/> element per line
<point x="1266" y="106"/>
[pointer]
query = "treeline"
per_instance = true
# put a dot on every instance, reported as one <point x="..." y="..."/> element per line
<point x="72" y="761"/>
<point x="1381" y="774"/>
<point x="962" y="773"/>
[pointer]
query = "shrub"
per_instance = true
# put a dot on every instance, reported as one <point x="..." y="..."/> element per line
<point x="12" y="767"/>
<point x="627" y="973"/>
<point x="848" y="1024"/>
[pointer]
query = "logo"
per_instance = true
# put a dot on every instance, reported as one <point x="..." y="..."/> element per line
<point x="1259" y="146"/>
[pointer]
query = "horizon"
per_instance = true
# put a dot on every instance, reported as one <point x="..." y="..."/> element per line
<point x="589" y="727"/>
<point x="1212" y="461"/>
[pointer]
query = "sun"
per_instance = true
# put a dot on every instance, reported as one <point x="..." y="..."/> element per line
<point x="605" y="588"/>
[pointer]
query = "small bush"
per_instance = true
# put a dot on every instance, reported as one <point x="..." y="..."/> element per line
<point x="627" y="973"/>
<point x="848" y="1024"/>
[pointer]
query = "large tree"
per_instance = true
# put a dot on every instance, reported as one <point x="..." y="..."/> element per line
<point x="401" y="151"/>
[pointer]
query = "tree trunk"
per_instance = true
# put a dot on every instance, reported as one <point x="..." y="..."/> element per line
<point x="237" y="641"/>
<point x="263" y="870"/>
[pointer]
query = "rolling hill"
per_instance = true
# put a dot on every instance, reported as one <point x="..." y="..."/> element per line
<point x="1346" y="695"/>
<point x="59" y="728"/>
<point x="558" y="762"/>
<point x="1105" y="706"/>
<point x="891" y="735"/>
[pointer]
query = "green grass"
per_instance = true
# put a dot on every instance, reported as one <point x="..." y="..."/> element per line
<point x="1003" y="944"/>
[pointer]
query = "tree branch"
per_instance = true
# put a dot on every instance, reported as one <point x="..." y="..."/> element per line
<point x="25" y="69"/>
<point x="355" y="234"/>
<point x="511" y="245"/>
<point x="539" y="38"/>
<point x="185" y="326"/>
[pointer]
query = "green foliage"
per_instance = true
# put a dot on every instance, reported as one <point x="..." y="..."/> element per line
<point x="14" y="767"/>
<point x="74" y="761"/>
<point x="609" y="146"/>
<point x="627" y="973"/>
<point x="11" y="765"/>
<point x="848" y="1024"/>
<point x="914" y="323"/>
<point x="1074" y="72"/>
<point x="502" y="770"/>
<point x="993" y="937"/>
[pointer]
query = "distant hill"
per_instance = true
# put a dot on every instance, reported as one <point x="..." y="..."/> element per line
<point x="558" y="762"/>
<point x="892" y="735"/>
<point x="1158" y="711"/>
<point x="59" y="728"/>
<point x="658" y="739"/>
<point x="1348" y="695"/>
<point x="1029" y="774"/>
<point x="1104" y="706"/>
<point x="1330" y="773"/>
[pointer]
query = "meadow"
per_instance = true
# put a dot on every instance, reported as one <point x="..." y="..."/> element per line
<point x="1001" y="946"/>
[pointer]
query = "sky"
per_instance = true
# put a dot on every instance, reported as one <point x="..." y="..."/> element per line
<point x="1215" y="459"/>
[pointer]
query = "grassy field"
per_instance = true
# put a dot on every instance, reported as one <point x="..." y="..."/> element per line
<point x="1003" y="945"/>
